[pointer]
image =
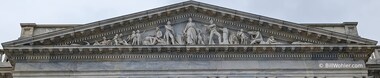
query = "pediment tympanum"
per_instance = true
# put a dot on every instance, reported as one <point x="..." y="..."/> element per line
<point x="195" y="31"/>
<point x="232" y="27"/>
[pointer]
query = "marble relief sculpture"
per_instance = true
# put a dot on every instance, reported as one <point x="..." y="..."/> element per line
<point x="125" y="42"/>
<point x="256" y="37"/>
<point x="225" y="36"/>
<point x="106" y="41"/>
<point x="213" y="31"/>
<point x="233" y="39"/>
<point x="122" y="41"/>
<point x="169" y="37"/>
<point x="271" y="40"/>
<point x="200" y="38"/>
<point x="158" y="35"/>
<point x="138" y="37"/>
<point x="118" y="40"/>
<point x="180" y="40"/>
<point x="190" y="35"/>
<point x="152" y="39"/>
<point x="190" y="32"/>
<point x="242" y="37"/>
<point x="133" y="37"/>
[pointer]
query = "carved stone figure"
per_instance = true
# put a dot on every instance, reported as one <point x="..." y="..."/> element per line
<point x="190" y="32"/>
<point x="213" y="31"/>
<point x="233" y="39"/>
<point x="125" y="42"/>
<point x="169" y="37"/>
<point x="200" y="38"/>
<point x="158" y="38"/>
<point x="138" y="37"/>
<point x="271" y="40"/>
<point x="120" y="39"/>
<point x="133" y="37"/>
<point x="149" y="40"/>
<point x="158" y="33"/>
<point x="115" y="39"/>
<point x="129" y="39"/>
<point x="180" y="40"/>
<point x="155" y="39"/>
<point x="242" y="37"/>
<point x="106" y="42"/>
<point x="225" y="36"/>
<point x="256" y="36"/>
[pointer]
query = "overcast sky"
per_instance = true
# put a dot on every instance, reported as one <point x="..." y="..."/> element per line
<point x="14" y="12"/>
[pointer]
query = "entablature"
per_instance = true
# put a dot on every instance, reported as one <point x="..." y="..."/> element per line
<point x="301" y="51"/>
<point x="206" y="48"/>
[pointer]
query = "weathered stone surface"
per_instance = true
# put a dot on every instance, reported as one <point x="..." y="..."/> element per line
<point x="251" y="68"/>
<point x="263" y="48"/>
<point x="189" y="65"/>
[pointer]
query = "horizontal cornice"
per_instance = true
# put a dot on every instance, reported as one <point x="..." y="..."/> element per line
<point x="253" y="48"/>
<point x="194" y="52"/>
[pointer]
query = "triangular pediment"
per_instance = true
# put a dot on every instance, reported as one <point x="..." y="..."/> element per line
<point x="193" y="30"/>
<point x="269" y="29"/>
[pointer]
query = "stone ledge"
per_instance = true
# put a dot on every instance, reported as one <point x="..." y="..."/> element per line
<point x="303" y="48"/>
<point x="6" y="67"/>
<point x="201" y="74"/>
<point x="118" y="57"/>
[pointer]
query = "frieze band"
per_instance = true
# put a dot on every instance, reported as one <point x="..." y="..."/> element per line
<point x="191" y="35"/>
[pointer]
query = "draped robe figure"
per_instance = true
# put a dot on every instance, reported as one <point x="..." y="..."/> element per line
<point x="200" y="38"/>
<point x="225" y="36"/>
<point x="169" y="37"/>
<point x="133" y="37"/>
<point x="138" y="37"/>
<point x="190" y="32"/>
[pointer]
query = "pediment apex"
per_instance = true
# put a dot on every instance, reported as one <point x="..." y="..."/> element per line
<point x="177" y="8"/>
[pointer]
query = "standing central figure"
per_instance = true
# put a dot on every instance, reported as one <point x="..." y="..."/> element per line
<point x="169" y="33"/>
<point x="213" y="31"/>
<point x="190" y="33"/>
